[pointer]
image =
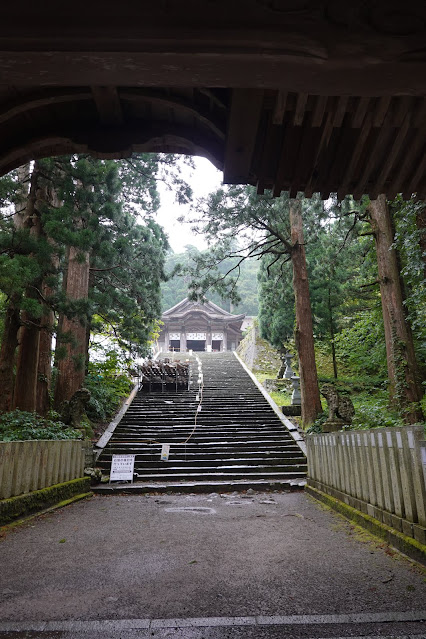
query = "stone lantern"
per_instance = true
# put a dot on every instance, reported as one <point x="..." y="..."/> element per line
<point x="296" y="398"/>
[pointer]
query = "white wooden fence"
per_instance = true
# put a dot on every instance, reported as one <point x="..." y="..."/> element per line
<point x="381" y="472"/>
<point x="32" y="465"/>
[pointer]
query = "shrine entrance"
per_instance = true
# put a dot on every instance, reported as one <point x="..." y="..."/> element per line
<point x="199" y="327"/>
<point x="196" y="345"/>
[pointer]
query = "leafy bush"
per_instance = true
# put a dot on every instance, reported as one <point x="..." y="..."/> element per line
<point x="316" y="427"/>
<point x="108" y="384"/>
<point x="362" y="346"/>
<point x="372" y="410"/>
<point x="19" y="425"/>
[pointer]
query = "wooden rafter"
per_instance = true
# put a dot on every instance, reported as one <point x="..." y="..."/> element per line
<point x="243" y="121"/>
<point x="108" y="105"/>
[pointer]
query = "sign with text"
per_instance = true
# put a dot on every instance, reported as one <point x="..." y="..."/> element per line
<point x="122" y="467"/>
<point x="196" y="336"/>
<point x="165" y="451"/>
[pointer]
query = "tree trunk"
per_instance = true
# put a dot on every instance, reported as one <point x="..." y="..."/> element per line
<point x="333" y="345"/>
<point x="401" y="361"/>
<point x="29" y="336"/>
<point x="71" y="368"/>
<point x="12" y="322"/>
<point x="421" y="227"/>
<point x="27" y="364"/>
<point x="7" y="356"/>
<point x="311" y="401"/>
<point x="44" y="372"/>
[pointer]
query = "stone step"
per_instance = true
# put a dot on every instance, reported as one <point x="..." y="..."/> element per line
<point x="185" y="439"/>
<point x="152" y="460"/>
<point x="205" y="486"/>
<point x="213" y="448"/>
<point x="167" y="468"/>
<point x="217" y="474"/>
<point x="239" y="441"/>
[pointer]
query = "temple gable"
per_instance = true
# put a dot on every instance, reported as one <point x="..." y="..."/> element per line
<point x="199" y="327"/>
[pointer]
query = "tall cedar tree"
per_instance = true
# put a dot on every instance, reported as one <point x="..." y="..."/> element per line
<point x="241" y="224"/>
<point x="113" y="265"/>
<point x="87" y="224"/>
<point x="401" y="359"/>
<point x="25" y="257"/>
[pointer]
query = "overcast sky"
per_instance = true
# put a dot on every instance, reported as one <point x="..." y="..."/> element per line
<point x="205" y="179"/>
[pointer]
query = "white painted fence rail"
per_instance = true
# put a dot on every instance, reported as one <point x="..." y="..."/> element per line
<point x="381" y="472"/>
<point x="32" y="465"/>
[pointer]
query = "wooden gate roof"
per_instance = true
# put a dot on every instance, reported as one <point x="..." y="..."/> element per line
<point x="297" y="95"/>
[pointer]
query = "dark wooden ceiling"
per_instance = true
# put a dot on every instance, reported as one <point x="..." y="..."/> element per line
<point x="298" y="95"/>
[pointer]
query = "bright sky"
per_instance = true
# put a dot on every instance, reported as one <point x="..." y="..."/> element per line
<point x="205" y="178"/>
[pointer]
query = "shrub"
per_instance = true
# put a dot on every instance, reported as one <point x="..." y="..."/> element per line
<point x="20" y="425"/>
<point x="108" y="384"/>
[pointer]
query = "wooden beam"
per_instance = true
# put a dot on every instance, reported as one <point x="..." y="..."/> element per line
<point x="416" y="178"/>
<point x="108" y="105"/>
<point x="360" y="112"/>
<point x="391" y="157"/>
<point x="340" y="111"/>
<point x="282" y="164"/>
<point x="299" y="112"/>
<point x="381" y="109"/>
<point x="319" y="109"/>
<point x="414" y="147"/>
<point x="45" y="98"/>
<point x="153" y="98"/>
<point x="306" y="154"/>
<point x="280" y="107"/>
<point x="376" y="154"/>
<point x="245" y="111"/>
<point x="327" y="130"/>
<point x="356" y="155"/>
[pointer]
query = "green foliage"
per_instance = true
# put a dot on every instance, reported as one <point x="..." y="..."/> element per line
<point x="19" y="425"/>
<point x="372" y="411"/>
<point x="276" y="304"/>
<point x="108" y="384"/>
<point x="177" y="287"/>
<point x="362" y="345"/>
<point x="316" y="427"/>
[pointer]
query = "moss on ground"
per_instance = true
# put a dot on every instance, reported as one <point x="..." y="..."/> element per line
<point x="24" y="505"/>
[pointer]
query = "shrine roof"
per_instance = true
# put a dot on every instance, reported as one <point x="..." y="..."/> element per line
<point x="186" y="307"/>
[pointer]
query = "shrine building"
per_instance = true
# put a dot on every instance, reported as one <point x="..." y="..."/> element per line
<point x="199" y="327"/>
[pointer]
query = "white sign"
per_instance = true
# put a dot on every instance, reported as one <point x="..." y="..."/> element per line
<point x="217" y="336"/>
<point x="165" y="450"/>
<point x="122" y="467"/>
<point x="174" y="336"/>
<point x="195" y="336"/>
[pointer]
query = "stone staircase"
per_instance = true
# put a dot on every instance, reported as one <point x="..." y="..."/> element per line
<point x="239" y="442"/>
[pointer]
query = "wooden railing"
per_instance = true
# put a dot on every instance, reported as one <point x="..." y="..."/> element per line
<point x="381" y="472"/>
<point x="32" y="465"/>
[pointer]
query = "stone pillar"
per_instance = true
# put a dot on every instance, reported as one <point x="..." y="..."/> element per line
<point x="183" y="340"/>
<point x="225" y="340"/>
